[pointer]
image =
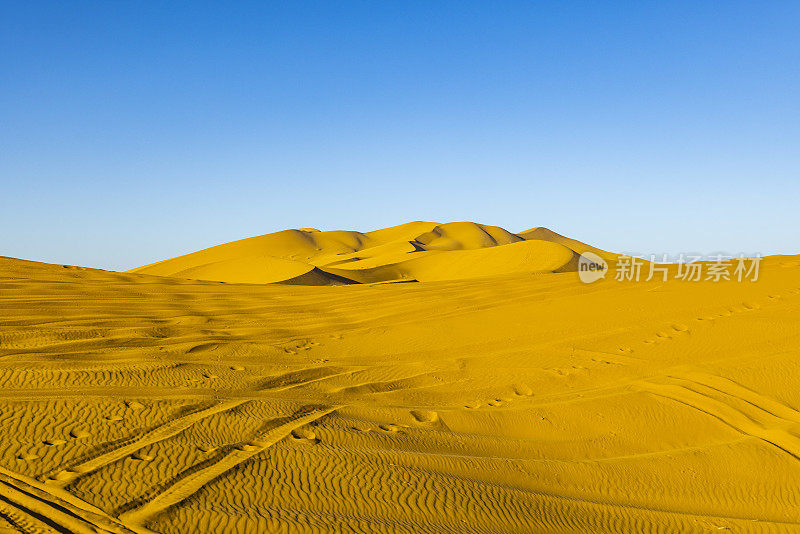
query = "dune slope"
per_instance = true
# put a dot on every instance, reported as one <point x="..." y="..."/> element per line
<point x="511" y="403"/>
<point x="426" y="266"/>
<point x="408" y="251"/>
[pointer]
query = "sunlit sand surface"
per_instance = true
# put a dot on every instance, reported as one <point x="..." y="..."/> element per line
<point x="424" y="378"/>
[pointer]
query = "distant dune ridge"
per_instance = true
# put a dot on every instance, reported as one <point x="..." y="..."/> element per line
<point x="419" y="250"/>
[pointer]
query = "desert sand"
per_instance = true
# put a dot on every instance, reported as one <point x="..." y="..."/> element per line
<point x="422" y="378"/>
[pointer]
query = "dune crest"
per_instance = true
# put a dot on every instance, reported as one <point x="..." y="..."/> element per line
<point x="419" y="250"/>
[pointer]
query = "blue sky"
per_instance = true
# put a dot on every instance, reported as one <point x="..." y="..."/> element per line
<point x="136" y="131"/>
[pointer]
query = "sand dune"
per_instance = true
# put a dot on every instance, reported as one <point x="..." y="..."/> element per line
<point x="411" y="251"/>
<point x="459" y="264"/>
<point x="498" y="395"/>
<point x="578" y="247"/>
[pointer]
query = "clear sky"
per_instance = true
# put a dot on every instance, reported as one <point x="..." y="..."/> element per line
<point x="135" y="131"/>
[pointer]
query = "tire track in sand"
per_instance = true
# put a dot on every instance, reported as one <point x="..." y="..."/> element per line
<point x="114" y="451"/>
<point x="191" y="480"/>
<point x="31" y="506"/>
<point x="163" y="496"/>
<point x="741" y="408"/>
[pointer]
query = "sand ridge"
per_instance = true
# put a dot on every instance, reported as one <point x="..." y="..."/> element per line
<point x="419" y="251"/>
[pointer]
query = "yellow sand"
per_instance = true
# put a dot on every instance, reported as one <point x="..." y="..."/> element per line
<point x="497" y="395"/>
<point x="413" y="251"/>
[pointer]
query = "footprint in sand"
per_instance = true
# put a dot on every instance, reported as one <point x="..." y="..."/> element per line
<point x="135" y="405"/>
<point x="390" y="429"/>
<point x="473" y="405"/>
<point x="54" y="442"/>
<point x="751" y="305"/>
<point x="79" y="434"/>
<point x="522" y="390"/>
<point x="247" y="447"/>
<point x="299" y="346"/>
<point x="142" y="457"/>
<point x="113" y="418"/>
<point x="495" y="402"/>
<point x="27" y="456"/>
<point x="203" y="347"/>
<point x="680" y="327"/>
<point x="206" y="448"/>
<point x="425" y="416"/>
<point x="306" y="435"/>
<point x="237" y="368"/>
<point x="66" y="474"/>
